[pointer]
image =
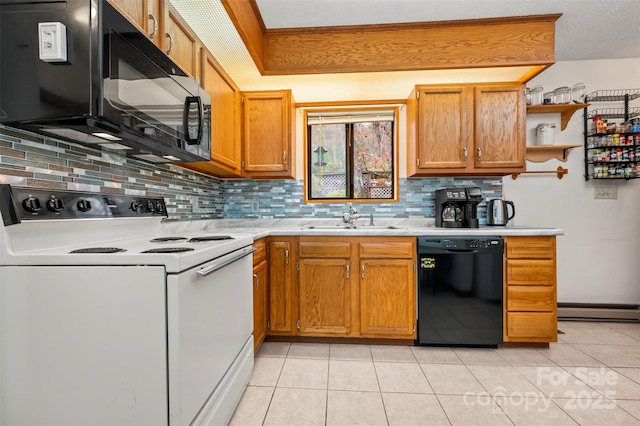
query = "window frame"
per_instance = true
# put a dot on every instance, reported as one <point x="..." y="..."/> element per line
<point x="308" y="154"/>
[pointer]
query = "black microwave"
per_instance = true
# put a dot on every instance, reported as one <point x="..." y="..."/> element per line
<point x="111" y="89"/>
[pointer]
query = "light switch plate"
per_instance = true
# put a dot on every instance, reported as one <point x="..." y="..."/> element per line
<point x="52" y="41"/>
<point x="606" y="192"/>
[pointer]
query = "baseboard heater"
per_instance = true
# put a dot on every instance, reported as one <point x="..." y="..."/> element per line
<point x="586" y="311"/>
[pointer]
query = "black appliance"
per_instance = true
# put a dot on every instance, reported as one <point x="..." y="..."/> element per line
<point x="458" y="207"/>
<point x="113" y="89"/>
<point x="460" y="291"/>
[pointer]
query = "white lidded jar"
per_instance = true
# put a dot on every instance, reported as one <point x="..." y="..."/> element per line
<point x="545" y="133"/>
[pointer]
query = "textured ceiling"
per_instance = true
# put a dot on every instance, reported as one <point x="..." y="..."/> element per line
<point x="588" y="29"/>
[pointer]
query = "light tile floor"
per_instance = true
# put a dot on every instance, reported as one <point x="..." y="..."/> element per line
<point x="590" y="377"/>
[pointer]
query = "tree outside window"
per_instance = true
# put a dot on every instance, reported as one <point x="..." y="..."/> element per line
<point x="350" y="154"/>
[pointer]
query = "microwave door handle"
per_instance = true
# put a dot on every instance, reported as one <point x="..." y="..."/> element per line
<point x="185" y="120"/>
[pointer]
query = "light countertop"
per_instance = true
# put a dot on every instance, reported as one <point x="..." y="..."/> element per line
<point x="260" y="228"/>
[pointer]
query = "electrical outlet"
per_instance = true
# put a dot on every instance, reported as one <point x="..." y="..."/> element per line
<point x="52" y="38"/>
<point x="255" y="205"/>
<point x="606" y="192"/>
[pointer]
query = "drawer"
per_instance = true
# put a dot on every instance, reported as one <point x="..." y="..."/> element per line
<point x="530" y="247"/>
<point x="531" y="272"/>
<point x="261" y="251"/>
<point x="532" y="326"/>
<point x="531" y="298"/>
<point x="387" y="249"/>
<point x="324" y="249"/>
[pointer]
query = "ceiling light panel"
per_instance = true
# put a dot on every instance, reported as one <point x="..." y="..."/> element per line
<point x="209" y="20"/>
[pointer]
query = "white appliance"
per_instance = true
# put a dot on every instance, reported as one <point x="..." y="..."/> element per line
<point x="98" y="327"/>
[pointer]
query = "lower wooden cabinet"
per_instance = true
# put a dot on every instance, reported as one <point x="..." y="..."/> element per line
<point x="388" y="298"/>
<point x="350" y="287"/>
<point x="531" y="313"/>
<point x="260" y="294"/>
<point x="281" y="255"/>
<point x="324" y="288"/>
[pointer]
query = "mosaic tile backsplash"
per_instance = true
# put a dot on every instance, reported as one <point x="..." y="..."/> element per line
<point x="31" y="160"/>
<point x="27" y="159"/>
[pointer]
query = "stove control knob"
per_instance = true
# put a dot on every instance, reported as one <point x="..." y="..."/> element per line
<point x="150" y="206"/>
<point x="159" y="207"/>
<point x="32" y="204"/>
<point x="55" y="205"/>
<point x="84" y="205"/>
<point x="136" y="206"/>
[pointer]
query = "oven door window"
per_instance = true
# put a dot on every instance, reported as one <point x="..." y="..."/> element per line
<point x="143" y="97"/>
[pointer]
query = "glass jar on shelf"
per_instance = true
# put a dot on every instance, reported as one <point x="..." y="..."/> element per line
<point x="578" y="93"/>
<point x="536" y="95"/>
<point x="562" y="95"/>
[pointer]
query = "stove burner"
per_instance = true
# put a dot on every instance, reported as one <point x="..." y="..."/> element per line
<point x="210" y="238"/>
<point x="167" y="239"/>
<point x="99" y="250"/>
<point x="168" y="250"/>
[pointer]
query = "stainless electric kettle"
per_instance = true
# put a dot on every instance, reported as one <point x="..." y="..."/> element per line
<point x="497" y="212"/>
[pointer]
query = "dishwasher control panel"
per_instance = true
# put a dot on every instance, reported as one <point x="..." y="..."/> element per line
<point x="459" y="243"/>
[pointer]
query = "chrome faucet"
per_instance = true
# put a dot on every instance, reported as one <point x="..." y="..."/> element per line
<point x="371" y="219"/>
<point x="350" y="216"/>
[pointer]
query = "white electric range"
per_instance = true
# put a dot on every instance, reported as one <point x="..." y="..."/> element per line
<point x="105" y="320"/>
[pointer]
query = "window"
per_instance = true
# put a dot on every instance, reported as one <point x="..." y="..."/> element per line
<point x="351" y="154"/>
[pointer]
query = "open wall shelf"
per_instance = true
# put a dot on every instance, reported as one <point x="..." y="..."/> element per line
<point x="565" y="110"/>
<point x="541" y="153"/>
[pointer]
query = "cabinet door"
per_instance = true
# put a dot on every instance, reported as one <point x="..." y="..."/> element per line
<point x="267" y="134"/>
<point x="180" y="43"/>
<point x="445" y="126"/>
<point x="500" y="118"/>
<point x="260" y="307"/>
<point x="324" y="296"/>
<point x="225" y="114"/>
<point x="387" y="298"/>
<point x="145" y="14"/>
<point x="281" y="297"/>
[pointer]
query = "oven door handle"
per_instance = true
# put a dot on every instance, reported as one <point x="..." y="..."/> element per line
<point x="225" y="260"/>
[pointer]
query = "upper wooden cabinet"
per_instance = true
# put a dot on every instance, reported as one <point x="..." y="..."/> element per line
<point x="226" y="121"/>
<point x="180" y="42"/>
<point x="466" y="130"/>
<point x="268" y="134"/>
<point x="147" y="15"/>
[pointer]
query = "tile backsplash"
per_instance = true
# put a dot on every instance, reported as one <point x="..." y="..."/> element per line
<point x="285" y="198"/>
<point x="27" y="159"/>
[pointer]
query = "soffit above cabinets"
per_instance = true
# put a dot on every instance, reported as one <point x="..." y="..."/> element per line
<point x="479" y="43"/>
<point x="245" y="45"/>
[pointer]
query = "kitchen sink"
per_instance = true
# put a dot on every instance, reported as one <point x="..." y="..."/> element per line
<point x="357" y="227"/>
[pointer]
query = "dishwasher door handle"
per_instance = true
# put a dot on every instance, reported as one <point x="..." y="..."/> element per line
<point x="225" y="260"/>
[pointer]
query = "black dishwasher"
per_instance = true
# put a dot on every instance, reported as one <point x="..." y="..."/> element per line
<point x="460" y="291"/>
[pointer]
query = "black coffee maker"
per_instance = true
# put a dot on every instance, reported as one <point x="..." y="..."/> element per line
<point x="458" y="207"/>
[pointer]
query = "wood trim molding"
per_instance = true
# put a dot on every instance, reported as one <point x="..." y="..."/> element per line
<point x="477" y="43"/>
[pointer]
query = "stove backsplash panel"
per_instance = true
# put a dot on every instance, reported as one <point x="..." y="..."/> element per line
<point x="27" y="159"/>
